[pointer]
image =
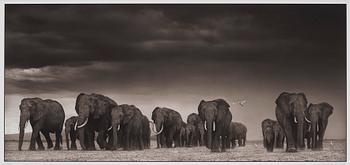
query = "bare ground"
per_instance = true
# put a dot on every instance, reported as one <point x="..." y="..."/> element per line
<point x="253" y="151"/>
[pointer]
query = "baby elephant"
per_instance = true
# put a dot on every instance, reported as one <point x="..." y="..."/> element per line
<point x="269" y="138"/>
<point x="71" y="132"/>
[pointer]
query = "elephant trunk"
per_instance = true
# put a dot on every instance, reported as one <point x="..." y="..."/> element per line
<point x="115" y="137"/>
<point x="67" y="137"/>
<point x="82" y="138"/>
<point x="300" y="134"/>
<point x="22" y="123"/>
<point x="209" y="126"/>
<point x="313" y="134"/>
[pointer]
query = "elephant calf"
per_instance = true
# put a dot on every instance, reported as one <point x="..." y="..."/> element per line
<point x="278" y="132"/>
<point x="269" y="138"/>
<point x="238" y="132"/>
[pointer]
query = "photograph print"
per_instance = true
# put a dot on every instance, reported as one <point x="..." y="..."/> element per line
<point x="175" y="82"/>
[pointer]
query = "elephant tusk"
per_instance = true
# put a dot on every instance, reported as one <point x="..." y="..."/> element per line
<point x="110" y="128"/>
<point x="205" y="125"/>
<point x="213" y="125"/>
<point x="295" y="120"/>
<point x="80" y="126"/>
<point x="161" y="129"/>
<point x="152" y="126"/>
<point x="118" y="128"/>
<point x="75" y="125"/>
<point x="307" y="120"/>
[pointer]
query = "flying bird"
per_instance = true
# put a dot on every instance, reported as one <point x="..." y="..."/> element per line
<point x="241" y="102"/>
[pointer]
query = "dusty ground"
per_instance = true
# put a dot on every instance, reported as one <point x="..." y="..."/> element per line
<point x="253" y="151"/>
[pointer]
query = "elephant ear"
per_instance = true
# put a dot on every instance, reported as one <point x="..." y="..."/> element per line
<point x="39" y="109"/>
<point x="222" y="104"/>
<point x="303" y="97"/>
<point x="201" y="105"/>
<point x="326" y="108"/>
<point x="78" y="101"/>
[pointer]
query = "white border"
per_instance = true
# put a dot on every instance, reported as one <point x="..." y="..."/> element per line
<point x="2" y="42"/>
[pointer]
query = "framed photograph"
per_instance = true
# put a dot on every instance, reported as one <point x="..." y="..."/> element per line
<point x="116" y="82"/>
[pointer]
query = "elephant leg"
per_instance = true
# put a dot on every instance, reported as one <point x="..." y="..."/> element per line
<point x="322" y="130"/>
<point x="58" y="139"/>
<point x="170" y="138"/>
<point x="244" y="139"/>
<point x="288" y="130"/>
<point x="308" y="141"/>
<point x="141" y="144"/>
<point x="158" y="141"/>
<point x="127" y="140"/>
<point x="40" y="143"/>
<point x="216" y="142"/>
<point x="73" y="138"/>
<point x="48" y="139"/>
<point x="83" y="138"/>
<point x="34" y="136"/>
<point x="101" y="140"/>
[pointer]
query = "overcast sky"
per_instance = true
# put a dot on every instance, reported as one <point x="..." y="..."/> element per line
<point x="176" y="55"/>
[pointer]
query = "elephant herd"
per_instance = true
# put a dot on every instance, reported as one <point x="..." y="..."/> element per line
<point x="125" y="126"/>
<point x="296" y="122"/>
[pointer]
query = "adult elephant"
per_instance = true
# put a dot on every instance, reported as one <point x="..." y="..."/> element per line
<point x="196" y="121"/>
<point x="239" y="133"/>
<point x="318" y="115"/>
<point x="94" y="112"/>
<point x="45" y="116"/>
<point x="216" y="117"/>
<point x="290" y="108"/>
<point x="132" y="127"/>
<point x="169" y="122"/>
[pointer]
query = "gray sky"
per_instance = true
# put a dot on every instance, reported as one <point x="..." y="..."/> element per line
<point x="175" y="56"/>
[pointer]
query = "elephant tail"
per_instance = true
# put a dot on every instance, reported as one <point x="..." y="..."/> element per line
<point x="61" y="139"/>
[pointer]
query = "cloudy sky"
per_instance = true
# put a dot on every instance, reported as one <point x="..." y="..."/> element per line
<point x="176" y="55"/>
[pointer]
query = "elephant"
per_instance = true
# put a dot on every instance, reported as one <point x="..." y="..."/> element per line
<point x="168" y="122"/>
<point x="183" y="139"/>
<point x="196" y="121"/>
<point x="317" y="115"/>
<point x="269" y="138"/>
<point x="216" y="118"/>
<point x="94" y="115"/>
<point x="278" y="132"/>
<point x="132" y="127"/>
<point x="290" y="114"/>
<point x="45" y="116"/>
<point x="146" y="132"/>
<point x="239" y="133"/>
<point x="279" y="135"/>
<point x="70" y="132"/>
<point x="190" y="133"/>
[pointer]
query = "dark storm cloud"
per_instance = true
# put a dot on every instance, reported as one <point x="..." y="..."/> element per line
<point x="44" y="35"/>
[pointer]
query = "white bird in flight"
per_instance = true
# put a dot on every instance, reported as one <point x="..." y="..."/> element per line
<point x="240" y="102"/>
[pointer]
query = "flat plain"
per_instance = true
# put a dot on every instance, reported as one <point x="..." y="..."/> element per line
<point x="334" y="150"/>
